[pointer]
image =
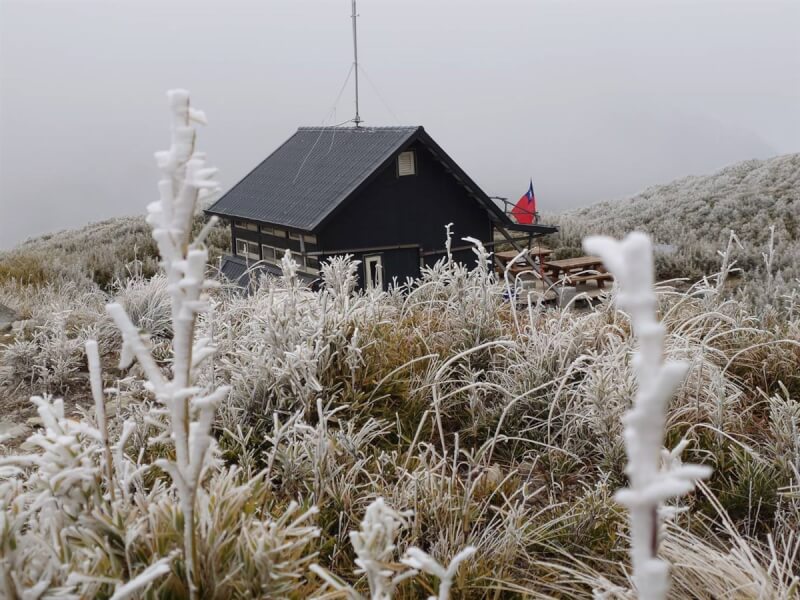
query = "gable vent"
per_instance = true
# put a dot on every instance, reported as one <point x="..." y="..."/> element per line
<point x="406" y="163"/>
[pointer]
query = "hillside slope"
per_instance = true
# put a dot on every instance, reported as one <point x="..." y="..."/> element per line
<point x="695" y="214"/>
<point x="99" y="252"/>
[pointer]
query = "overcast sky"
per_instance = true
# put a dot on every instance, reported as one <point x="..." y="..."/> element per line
<point x="594" y="99"/>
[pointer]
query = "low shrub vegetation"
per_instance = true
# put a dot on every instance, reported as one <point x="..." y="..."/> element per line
<point x="433" y="440"/>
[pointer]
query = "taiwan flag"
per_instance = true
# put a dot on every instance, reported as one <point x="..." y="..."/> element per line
<point x="524" y="210"/>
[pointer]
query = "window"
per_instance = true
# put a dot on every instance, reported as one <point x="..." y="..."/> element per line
<point x="247" y="249"/>
<point x="312" y="263"/>
<point x="246" y="225"/>
<point x="406" y="163"/>
<point x="270" y="254"/>
<point x="373" y="269"/>
<point x="275" y="255"/>
<point x="273" y="231"/>
<point x="307" y="238"/>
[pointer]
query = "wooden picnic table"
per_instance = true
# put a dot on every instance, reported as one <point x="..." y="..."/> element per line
<point x="570" y="266"/>
<point x="523" y="266"/>
<point x="541" y="251"/>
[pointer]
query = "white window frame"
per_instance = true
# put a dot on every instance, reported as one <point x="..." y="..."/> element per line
<point x="245" y="248"/>
<point x="408" y="169"/>
<point x="309" y="267"/>
<point x="275" y="259"/>
<point x="376" y="259"/>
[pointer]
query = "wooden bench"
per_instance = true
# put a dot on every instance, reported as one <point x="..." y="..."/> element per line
<point x="571" y="271"/>
<point x="598" y="277"/>
<point x="537" y="253"/>
<point x="574" y="265"/>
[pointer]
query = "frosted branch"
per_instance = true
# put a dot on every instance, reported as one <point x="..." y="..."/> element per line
<point x="631" y="262"/>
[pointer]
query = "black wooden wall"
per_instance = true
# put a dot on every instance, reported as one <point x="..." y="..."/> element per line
<point x="412" y="209"/>
<point x="262" y="238"/>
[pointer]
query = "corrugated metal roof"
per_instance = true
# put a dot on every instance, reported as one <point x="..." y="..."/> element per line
<point x="234" y="268"/>
<point x="245" y="274"/>
<point x="310" y="174"/>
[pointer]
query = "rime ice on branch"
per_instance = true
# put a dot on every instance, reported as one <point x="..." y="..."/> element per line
<point x="631" y="262"/>
<point x="185" y="180"/>
<point x="375" y="545"/>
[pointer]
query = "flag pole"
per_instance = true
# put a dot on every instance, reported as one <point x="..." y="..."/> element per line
<point x="357" y="119"/>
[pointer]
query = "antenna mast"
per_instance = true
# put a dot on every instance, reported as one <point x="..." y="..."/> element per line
<point x="357" y="119"/>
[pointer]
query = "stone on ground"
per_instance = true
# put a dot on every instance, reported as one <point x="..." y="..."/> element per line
<point x="7" y="317"/>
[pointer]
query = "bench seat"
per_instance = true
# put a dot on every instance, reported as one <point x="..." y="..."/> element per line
<point x="582" y="278"/>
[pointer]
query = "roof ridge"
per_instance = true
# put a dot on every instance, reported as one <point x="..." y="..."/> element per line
<point x="360" y="129"/>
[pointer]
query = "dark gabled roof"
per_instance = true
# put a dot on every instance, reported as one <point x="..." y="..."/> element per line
<point x="302" y="183"/>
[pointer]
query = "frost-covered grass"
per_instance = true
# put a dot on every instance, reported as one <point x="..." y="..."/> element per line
<point x="98" y="255"/>
<point x="500" y="430"/>
<point x="430" y="441"/>
<point x="696" y="214"/>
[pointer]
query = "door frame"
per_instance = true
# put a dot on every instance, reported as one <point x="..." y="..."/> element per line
<point x="378" y="260"/>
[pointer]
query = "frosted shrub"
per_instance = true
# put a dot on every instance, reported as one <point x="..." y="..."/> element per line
<point x="463" y="300"/>
<point x="422" y="561"/>
<point x="22" y="359"/>
<point x="749" y="198"/>
<point x="45" y="354"/>
<point x="190" y="411"/>
<point x="632" y="265"/>
<point x="147" y="302"/>
<point x="80" y="490"/>
<point x="375" y="546"/>
<point x="784" y="424"/>
<point x="65" y="469"/>
<point x="497" y="423"/>
<point x="283" y="347"/>
<point x="50" y="360"/>
<point x="96" y="256"/>
<point x="60" y="487"/>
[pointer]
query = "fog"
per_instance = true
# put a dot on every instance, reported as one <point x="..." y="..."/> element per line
<point x="592" y="99"/>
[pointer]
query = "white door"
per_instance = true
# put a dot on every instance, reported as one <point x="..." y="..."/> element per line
<point x="373" y="268"/>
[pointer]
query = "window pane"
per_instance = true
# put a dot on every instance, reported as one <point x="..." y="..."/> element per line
<point x="241" y="247"/>
<point x="312" y="262"/>
<point x="310" y="239"/>
<point x="268" y="252"/>
<point x="246" y="225"/>
<point x="273" y="231"/>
